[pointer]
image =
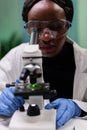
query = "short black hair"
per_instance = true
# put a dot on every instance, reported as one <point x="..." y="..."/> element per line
<point x="67" y="5"/>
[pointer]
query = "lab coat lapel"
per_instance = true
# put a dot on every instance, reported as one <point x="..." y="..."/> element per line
<point x="80" y="79"/>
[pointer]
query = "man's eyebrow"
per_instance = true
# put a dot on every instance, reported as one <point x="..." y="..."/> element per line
<point x="34" y="19"/>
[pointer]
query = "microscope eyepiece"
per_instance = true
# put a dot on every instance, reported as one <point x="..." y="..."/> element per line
<point x="33" y="36"/>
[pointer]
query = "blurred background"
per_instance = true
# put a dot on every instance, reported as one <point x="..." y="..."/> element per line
<point x="12" y="32"/>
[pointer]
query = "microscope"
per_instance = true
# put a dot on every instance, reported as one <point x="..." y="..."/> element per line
<point x="33" y="115"/>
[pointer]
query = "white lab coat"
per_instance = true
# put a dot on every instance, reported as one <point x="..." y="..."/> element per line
<point x="11" y="66"/>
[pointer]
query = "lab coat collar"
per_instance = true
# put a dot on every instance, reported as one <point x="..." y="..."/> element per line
<point x="80" y="55"/>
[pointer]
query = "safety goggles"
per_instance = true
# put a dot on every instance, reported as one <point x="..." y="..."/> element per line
<point x="58" y="25"/>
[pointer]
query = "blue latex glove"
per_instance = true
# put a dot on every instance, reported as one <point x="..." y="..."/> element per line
<point x="9" y="103"/>
<point x="66" y="109"/>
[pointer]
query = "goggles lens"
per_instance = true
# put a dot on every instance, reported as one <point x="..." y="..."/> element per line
<point x="58" y="25"/>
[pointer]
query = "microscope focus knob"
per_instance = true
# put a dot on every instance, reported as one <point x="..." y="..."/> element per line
<point x="33" y="110"/>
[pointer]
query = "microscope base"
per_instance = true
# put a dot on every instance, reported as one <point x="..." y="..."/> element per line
<point x="45" y="121"/>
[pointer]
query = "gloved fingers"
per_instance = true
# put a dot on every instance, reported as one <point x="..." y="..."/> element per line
<point x="64" y="118"/>
<point x="53" y="104"/>
<point x="8" y="93"/>
<point x="5" y="110"/>
<point x="5" y="99"/>
<point x="15" y="102"/>
<point x="10" y="89"/>
<point x="60" y="111"/>
<point x="8" y="107"/>
<point x="11" y="100"/>
<point x="9" y="103"/>
<point x="20" y="99"/>
<point x="49" y="106"/>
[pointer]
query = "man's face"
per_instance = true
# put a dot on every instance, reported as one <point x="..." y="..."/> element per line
<point x="50" y="20"/>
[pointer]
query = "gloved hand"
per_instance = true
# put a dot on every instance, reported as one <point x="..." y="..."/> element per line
<point x="66" y="109"/>
<point x="9" y="103"/>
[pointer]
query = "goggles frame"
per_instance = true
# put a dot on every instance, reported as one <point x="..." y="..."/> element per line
<point x="57" y="25"/>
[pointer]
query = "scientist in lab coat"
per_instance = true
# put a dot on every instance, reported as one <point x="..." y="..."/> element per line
<point x="64" y="63"/>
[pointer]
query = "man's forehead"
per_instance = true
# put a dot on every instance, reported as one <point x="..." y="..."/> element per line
<point x="46" y="11"/>
<point x="66" y="5"/>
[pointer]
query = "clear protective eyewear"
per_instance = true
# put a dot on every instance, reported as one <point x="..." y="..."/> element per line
<point x="57" y="25"/>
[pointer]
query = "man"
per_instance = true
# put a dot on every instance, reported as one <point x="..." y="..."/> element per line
<point x="64" y="62"/>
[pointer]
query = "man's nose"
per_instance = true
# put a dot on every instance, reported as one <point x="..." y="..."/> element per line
<point x="46" y="34"/>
